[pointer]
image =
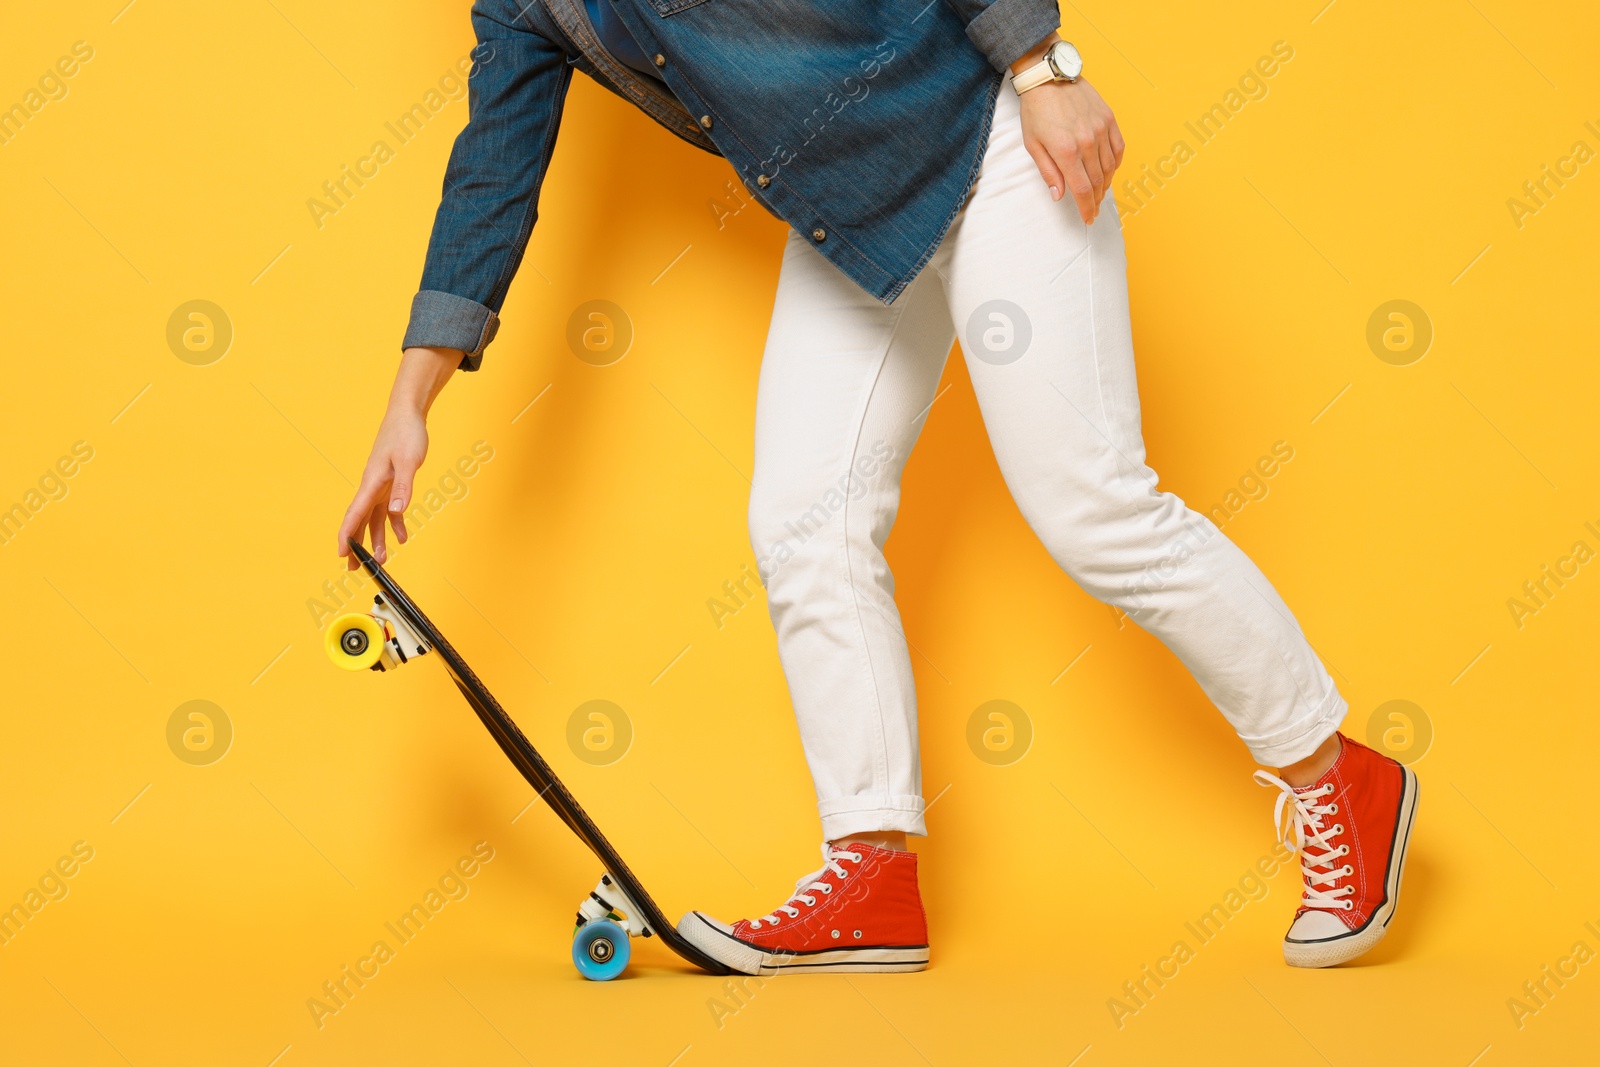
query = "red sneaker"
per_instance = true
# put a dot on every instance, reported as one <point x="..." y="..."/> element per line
<point x="860" y="912"/>
<point x="1361" y="811"/>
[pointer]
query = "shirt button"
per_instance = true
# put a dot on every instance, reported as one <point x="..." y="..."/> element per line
<point x="763" y="181"/>
<point x="819" y="234"/>
<point x="705" y="120"/>
<point x="660" y="60"/>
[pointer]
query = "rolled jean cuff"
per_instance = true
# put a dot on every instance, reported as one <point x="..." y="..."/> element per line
<point x="444" y="320"/>
<point x="1008" y="28"/>
<point x="1299" y="741"/>
<point x="863" y="815"/>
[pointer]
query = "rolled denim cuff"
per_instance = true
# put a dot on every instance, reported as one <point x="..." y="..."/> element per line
<point x="444" y="320"/>
<point x="1008" y="28"/>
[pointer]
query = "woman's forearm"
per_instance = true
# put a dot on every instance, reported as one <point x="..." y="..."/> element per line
<point x="421" y="378"/>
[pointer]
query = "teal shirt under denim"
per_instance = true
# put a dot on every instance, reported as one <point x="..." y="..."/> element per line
<point x="860" y="123"/>
<point x="616" y="40"/>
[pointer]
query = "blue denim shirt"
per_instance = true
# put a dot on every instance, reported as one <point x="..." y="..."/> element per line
<point x="860" y="123"/>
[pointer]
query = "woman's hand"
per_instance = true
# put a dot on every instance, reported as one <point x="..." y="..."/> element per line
<point x="1072" y="136"/>
<point x="401" y="446"/>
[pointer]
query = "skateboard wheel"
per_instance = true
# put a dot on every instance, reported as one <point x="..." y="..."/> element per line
<point x="600" y="950"/>
<point x="354" y="642"/>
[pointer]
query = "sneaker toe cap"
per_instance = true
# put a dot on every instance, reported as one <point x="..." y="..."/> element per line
<point x="1316" y="925"/>
<point x="694" y="919"/>
<point x="716" y="939"/>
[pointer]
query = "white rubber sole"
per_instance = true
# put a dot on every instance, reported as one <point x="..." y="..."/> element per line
<point x="716" y="940"/>
<point x="1328" y="952"/>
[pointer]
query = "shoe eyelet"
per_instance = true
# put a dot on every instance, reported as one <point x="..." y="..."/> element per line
<point x="1344" y="850"/>
<point x="827" y="887"/>
<point x="1349" y="905"/>
<point x="1333" y="809"/>
<point x="1348" y="871"/>
<point x="858" y="935"/>
<point x="836" y="935"/>
<point x="1338" y="828"/>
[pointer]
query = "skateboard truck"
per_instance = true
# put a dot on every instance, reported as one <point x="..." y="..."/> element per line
<point x="379" y="640"/>
<point x="606" y="920"/>
<point x="606" y="902"/>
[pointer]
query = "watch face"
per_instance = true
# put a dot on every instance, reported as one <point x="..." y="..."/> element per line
<point x="1065" y="59"/>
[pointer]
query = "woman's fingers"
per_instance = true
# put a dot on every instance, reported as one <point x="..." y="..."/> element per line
<point x="1087" y="151"/>
<point x="405" y="474"/>
<point x="386" y="485"/>
<point x="1108" y="159"/>
<point x="397" y="519"/>
<point x="1047" y="168"/>
<point x="369" y="502"/>
<point x="380" y="550"/>
<point x="356" y="517"/>
<point x="1079" y="183"/>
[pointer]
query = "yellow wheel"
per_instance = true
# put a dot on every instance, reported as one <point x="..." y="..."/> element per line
<point x="354" y="642"/>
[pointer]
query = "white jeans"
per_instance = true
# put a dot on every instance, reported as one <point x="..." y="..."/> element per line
<point x="1040" y="304"/>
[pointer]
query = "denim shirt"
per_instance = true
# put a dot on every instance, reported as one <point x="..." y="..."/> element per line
<point x="860" y="123"/>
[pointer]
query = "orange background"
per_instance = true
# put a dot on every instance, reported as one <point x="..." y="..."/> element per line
<point x="578" y="563"/>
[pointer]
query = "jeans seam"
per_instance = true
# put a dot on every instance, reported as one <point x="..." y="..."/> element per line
<point x="881" y="761"/>
<point x="1094" y="347"/>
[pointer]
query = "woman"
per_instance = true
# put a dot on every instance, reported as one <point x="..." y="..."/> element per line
<point x="925" y="193"/>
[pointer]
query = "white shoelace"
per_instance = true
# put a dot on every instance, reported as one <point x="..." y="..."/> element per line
<point x="1304" y="831"/>
<point x="806" y="887"/>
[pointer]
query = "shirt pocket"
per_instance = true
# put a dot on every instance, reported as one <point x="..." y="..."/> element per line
<point x="672" y="7"/>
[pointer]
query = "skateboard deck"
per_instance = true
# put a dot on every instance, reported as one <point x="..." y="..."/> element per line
<point x="597" y="946"/>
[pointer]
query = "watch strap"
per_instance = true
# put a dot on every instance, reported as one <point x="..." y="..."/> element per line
<point x="1046" y="70"/>
<point x="1033" y="77"/>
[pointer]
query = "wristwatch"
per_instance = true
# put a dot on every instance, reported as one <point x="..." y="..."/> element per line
<point x="1061" y="63"/>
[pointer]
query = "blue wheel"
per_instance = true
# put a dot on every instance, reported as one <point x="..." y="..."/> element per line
<point x="600" y="950"/>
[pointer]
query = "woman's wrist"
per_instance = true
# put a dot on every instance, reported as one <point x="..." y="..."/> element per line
<point x="422" y="376"/>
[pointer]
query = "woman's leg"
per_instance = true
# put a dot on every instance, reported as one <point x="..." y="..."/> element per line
<point x="845" y="386"/>
<point x="1041" y="305"/>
